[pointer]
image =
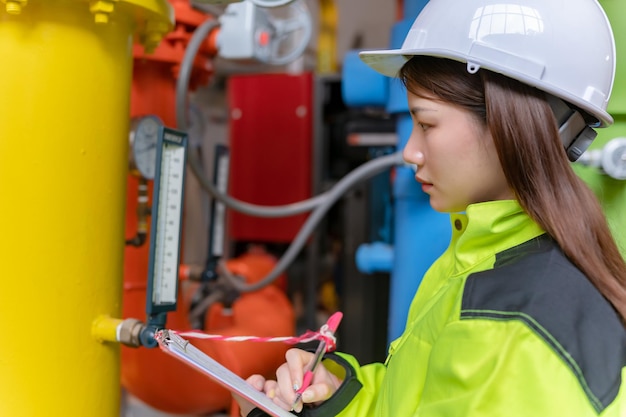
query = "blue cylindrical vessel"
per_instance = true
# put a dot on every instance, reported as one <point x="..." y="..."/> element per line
<point x="420" y="234"/>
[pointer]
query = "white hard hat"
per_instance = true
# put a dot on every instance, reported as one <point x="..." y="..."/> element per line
<point x="563" y="47"/>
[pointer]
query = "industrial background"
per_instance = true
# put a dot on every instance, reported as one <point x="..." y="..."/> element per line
<point x="226" y="167"/>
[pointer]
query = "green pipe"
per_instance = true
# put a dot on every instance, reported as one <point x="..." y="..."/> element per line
<point x="612" y="192"/>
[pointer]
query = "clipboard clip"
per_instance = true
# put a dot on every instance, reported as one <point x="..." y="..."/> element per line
<point x="165" y="338"/>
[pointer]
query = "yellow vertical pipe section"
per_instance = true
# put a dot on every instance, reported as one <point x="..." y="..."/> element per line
<point x="64" y="111"/>
<point x="327" y="38"/>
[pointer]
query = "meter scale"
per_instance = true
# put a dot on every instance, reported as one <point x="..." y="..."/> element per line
<point x="167" y="210"/>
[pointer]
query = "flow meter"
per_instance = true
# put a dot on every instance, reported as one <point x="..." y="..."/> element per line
<point x="166" y="226"/>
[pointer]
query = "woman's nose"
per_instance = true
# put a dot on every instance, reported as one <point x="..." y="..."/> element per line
<point x="411" y="153"/>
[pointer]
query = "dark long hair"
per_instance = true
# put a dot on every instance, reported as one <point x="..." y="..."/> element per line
<point x="534" y="162"/>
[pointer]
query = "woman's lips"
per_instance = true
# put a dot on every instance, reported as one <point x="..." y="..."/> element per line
<point x="426" y="186"/>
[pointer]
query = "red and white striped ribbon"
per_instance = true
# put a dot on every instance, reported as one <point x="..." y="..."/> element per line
<point x="325" y="333"/>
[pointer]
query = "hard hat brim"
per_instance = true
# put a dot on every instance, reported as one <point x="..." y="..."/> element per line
<point x="387" y="62"/>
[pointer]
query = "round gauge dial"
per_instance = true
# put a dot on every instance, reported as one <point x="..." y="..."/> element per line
<point x="271" y="3"/>
<point x="144" y="135"/>
<point x="614" y="158"/>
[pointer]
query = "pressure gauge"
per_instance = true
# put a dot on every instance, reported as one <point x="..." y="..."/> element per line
<point x="144" y="134"/>
<point x="614" y="158"/>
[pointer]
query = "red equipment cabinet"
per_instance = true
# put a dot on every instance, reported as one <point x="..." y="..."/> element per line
<point x="271" y="135"/>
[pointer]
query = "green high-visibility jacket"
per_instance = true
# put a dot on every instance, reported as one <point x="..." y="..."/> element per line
<point x="503" y="325"/>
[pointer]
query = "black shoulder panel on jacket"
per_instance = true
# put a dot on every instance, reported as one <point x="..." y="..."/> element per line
<point x="537" y="284"/>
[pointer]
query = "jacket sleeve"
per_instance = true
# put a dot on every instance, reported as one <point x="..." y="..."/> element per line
<point x="493" y="368"/>
<point x="356" y="395"/>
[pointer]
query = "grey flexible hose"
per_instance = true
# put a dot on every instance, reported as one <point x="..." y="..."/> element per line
<point x="319" y="204"/>
<point x="363" y="172"/>
<point x="182" y="86"/>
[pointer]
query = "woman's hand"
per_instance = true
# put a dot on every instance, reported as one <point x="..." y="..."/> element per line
<point x="245" y="406"/>
<point x="288" y="380"/>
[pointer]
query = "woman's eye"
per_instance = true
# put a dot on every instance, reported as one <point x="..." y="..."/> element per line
<point x="422" y="126"/>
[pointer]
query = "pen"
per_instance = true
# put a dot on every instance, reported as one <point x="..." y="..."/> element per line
<point x="328" y="330"/>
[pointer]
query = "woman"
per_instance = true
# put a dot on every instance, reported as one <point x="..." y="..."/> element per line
<point x="523" y="315"/>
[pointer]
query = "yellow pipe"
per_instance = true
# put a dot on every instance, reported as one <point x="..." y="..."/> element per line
<point x="64" y="108"/>
<point x="327" y="38"/>
<point x="128" y="331"/>
<point x="106" y="329"/>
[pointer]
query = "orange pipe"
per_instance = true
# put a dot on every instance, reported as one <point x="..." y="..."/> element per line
<point x="167" y="384"/>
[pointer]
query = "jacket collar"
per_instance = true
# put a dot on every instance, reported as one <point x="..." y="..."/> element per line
<point x="486" y="229"/>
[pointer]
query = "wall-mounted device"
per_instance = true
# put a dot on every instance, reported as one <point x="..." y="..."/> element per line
<point x="260" y="3"/>
<point x="250" y="32"/>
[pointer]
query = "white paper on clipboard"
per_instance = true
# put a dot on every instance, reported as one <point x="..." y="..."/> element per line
<point x="180" y="348"/>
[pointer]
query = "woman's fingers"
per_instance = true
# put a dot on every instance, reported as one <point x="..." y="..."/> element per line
<point x="257" y="381"/>
<point x="289" y="377"/>
<point x="245" y="406"/>
<point x="286" y="387"/>
<point x="317" y="393"/>
<point x="270" y="388"/>
<point x="297" y="360"/>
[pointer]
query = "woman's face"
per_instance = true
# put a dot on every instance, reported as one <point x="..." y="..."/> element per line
<point x="457" y="161"/>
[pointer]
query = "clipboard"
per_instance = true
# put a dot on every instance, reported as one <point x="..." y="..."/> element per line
<point x="183" y="350"/>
